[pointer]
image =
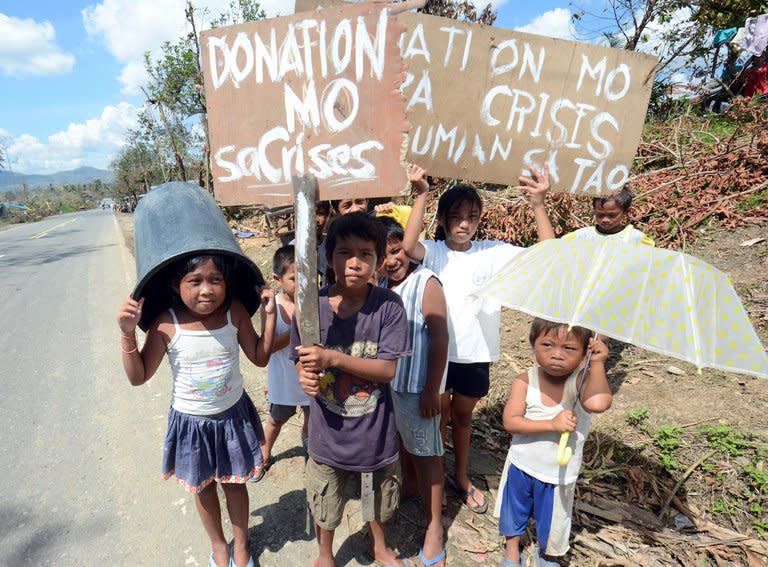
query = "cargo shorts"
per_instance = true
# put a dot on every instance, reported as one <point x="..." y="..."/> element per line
<point x="327" y="494"/>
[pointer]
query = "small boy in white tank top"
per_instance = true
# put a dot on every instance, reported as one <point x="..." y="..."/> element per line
<point x="537" y="412"/>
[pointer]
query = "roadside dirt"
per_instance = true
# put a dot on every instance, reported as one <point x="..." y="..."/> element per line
<point x="668" y="425"/>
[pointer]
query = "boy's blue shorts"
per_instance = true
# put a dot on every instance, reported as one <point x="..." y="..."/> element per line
<point x="550" y="504"/>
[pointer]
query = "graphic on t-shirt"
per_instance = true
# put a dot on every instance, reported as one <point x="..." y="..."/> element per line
<point x="210" y="389"/>
<point x="346" y="394"/>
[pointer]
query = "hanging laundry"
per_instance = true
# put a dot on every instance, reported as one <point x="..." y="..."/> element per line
<point x="723" y="36"/>
<point x="755" y="34"/>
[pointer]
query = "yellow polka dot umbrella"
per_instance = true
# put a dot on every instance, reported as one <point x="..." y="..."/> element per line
<point x="661" y="300"/>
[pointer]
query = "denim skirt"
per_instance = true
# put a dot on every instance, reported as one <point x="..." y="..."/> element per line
<point x="223" y="447"/>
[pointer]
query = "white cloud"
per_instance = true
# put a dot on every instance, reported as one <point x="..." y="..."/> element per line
<point x="555" y="23"/>
<point x="28" y="48"/>
<point x="129" y="28"/>
<point x="93" y="143"/>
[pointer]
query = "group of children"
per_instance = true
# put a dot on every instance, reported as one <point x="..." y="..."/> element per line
<point x="396" y="362"/>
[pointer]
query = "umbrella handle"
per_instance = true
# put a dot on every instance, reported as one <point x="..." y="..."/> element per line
<point x="564" y="452"/>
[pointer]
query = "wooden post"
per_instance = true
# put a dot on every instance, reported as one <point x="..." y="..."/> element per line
<point x="307" y="315"/>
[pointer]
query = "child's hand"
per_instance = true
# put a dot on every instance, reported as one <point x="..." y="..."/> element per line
<point x="267" y="298"/>
<point x="599" y="350"/>
<point x="309" y="381"/>
<point x="129" y="314"/>
<point x="315" y="358"/>
<point x="418" y="178"/>
<point x="565" y="421"/>
<point x="536" y="187"/>
<point x="384" y="208"/>
<point x="429" y="404"/>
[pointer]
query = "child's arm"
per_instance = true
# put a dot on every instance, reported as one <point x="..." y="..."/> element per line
<point x="436" y="319"/>
<point x="139" y="365"/>
<point x="536" y="188"/>
<point x="514" y="412"/>
<point x="256" y="348"/>
<point x="315" y="359"/>
<point x="596" y="394"/>
<point x="413" y="247"/>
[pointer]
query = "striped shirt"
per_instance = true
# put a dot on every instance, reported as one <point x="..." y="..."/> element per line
<point x="411" y="375"/>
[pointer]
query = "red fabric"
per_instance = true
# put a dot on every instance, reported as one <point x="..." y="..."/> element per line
<point x="756" y="82"/>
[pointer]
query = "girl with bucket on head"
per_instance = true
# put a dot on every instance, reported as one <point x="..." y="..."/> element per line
<point x="214" y="432"/>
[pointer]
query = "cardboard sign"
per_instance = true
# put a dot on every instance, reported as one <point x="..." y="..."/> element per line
<point x="485" y="103"/>
<point x="310" y="93"/>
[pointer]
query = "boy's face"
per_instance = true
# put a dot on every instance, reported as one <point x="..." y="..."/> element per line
<point x="609" y="218"/>
<point x="354" y="262"/>
<point x="396" y="262"/>
<point x="321" y="217"/>
<point x="288" y="280"/>
<point x="558" y="352"/>
<point x="347" y="206"/>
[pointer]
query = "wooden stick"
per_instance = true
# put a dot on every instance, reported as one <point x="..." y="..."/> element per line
<point x="308" y="313"/>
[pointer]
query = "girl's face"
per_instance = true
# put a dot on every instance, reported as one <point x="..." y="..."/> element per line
<point x="460" y="225"/>
<point x="203" y="290"/>
<point x="558" y="352"/>
<point x="610" y="218"/>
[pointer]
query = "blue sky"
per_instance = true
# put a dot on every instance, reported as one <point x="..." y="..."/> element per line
<point x="70" y="70"/>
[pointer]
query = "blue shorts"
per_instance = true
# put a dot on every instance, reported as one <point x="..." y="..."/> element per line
<point x="550" y="504"/>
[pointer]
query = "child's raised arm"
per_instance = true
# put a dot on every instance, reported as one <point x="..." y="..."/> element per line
<point x="418" y="178"/>
<point x="536" y="188"/>
<point x="596" y="396"/>
<point x="257" y="348"/>
<point x="514" y="412"/>
<point x="139" y="365"/>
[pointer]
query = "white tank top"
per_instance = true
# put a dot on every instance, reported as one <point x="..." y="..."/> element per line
<point x="282" y="379"/>
<point x="206" y="369"/>
<point x="537" y="454"/>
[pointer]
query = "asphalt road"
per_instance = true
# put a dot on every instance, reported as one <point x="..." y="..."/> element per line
<point x="81" y="448"/>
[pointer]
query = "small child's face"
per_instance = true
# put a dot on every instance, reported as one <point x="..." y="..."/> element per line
<point x="610" y="218"/>
<point x="347" y="206"/>
<point x="396" y="262"/>
<point x="558" y="352"/>
<point x="203" y="290"/>
<point x="354" y="262"/>
<point x="461" y="223"/>
<point x="288" y="280"/>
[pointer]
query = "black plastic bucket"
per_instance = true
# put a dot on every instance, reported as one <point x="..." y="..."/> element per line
<point x="174" y="221"/>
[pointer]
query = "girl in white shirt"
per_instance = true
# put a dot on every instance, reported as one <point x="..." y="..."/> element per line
<point x="463" y="264"/>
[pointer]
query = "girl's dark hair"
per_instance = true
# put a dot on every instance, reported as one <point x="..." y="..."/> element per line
<point x="623" y="199"/>
<point x="454" y="197"/>
<point x="543" y="327"/>
<point x="394" y="229"/>
<point x="225" y="264"/>
<point x="360" y="225"/>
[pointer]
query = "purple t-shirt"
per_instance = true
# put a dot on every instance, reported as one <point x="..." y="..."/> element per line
<point x="351" y="421"/>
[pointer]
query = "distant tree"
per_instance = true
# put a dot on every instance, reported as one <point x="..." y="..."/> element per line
<point x="461" y="10"/>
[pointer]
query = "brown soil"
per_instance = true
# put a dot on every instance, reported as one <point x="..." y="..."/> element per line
<point x="665" y="420"/>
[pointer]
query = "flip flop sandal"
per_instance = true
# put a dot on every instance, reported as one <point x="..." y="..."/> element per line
<point x="434" y="561"/>
<point x="261" y="470"/>
<point x="466" y="495"/>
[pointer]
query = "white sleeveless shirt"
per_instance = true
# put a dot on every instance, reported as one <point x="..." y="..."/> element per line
<point x="282" y="379"/>
<point x="206" y="368"/>
<point x="537" y="454"/>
